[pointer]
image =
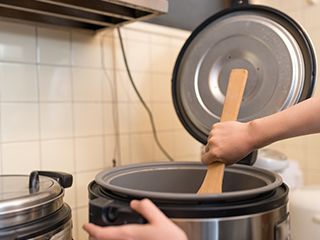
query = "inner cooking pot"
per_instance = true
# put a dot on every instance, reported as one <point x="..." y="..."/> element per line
<point x="176" y="181"/>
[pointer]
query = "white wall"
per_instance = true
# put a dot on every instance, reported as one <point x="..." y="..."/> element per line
<point x="56" y="102"/>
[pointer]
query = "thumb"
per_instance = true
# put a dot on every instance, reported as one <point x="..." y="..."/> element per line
<point x="148" y="210"/>
<point x="91" y="229"/>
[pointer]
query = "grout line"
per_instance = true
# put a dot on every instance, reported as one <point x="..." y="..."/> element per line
<point x="73" y="116"/>
<point x="86" y="67"/>
<point x="102" y="105"/>
<point x="158" y="30"/>
<point x="38" y="94"/>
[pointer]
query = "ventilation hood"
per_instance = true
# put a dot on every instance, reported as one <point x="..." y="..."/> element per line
<point x="84" y="14"/>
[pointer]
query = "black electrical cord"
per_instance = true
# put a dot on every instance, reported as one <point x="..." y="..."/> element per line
<point x="116" y="160"/>
<point x="142" y="101"/>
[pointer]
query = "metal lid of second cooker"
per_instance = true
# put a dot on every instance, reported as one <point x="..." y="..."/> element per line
<point x="20" y="204"/>
<point x="273" y="52"/>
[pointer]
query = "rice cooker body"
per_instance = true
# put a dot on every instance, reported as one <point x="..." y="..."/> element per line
<point x="246" y="214"/>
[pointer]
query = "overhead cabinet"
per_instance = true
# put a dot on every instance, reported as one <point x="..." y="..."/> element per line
<point x="85" y="14"/>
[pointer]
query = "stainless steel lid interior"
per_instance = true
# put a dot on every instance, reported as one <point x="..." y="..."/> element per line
<point x="275" y="50"/>
<point x="269" y="53"/>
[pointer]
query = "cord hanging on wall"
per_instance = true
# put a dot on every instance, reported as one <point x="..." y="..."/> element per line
<point x="142" y="101"/>
<point x="116" y="159"/>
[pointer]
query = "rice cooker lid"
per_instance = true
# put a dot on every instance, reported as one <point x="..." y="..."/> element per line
<point x="273" y="48"/>
<point x="20" y="202"/>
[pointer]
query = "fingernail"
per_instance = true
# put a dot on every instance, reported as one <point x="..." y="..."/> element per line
<point x="134" y="202"/>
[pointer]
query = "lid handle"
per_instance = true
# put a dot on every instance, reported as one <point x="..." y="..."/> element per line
<point x="33" y="180"/>
<point x="105" y="212"/>
<point x="64" y="179"/>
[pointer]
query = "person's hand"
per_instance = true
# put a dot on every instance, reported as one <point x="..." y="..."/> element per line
<point x="159" y="227"/>
<point x="228" y="142"/>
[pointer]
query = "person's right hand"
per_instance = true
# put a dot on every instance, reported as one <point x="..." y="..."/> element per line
<point x="228" y="142"/>
<point x="159" y="227"/>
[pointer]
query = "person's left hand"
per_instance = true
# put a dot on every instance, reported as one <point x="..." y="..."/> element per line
<point x="159" y="227"/>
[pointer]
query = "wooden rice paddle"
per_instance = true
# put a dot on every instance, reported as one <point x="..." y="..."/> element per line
<point x="237" y="81"/>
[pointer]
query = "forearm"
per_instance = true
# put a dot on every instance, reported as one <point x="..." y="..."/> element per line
<point x="229" y="142"/>
<point x="301" y="119"/>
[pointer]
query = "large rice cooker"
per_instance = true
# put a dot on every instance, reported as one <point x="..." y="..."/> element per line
<point x="32" y="206"/>
<point x="253" y="204"/>
<point x="281" y="62"/>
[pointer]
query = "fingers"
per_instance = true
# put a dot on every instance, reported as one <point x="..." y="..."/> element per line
<point x="148" y="210"/>
<point x="93" y="231"/>
<point x="207" y="148"/>
<point x="130" y="231"/>
<point x="102" y="233"/>
<point x="158" y="228"/>
<point x="208" y="158"/>
<point x="144" y="207"/>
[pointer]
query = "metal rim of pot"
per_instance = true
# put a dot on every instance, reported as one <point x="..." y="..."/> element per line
<point x="141" y="181"/>
<point x="190" y="97"/>
<point x="103" y="204"/>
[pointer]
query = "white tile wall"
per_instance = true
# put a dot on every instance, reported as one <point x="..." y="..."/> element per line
<point x="19" y="82"/>
<point x="86" y="51"/>
<point x="88" y="119"/>
<point x="55" y="84"/>
<point x="54" y="46"/>
<point x="18" y="42"/>
<point x="58" y="155"/>
<point x="19" y="122"/>
<point x="20" y="157"/>
<point x="62" y="90"/>
<point x="89" y="154"/>
<point x="87" y="85"/>
<point x="56" y="120"/>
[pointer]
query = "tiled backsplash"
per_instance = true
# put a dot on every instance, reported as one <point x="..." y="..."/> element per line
<point x="57" y="103"/>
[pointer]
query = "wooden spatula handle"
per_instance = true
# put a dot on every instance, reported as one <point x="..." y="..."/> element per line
<point x="237" y="81"/>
